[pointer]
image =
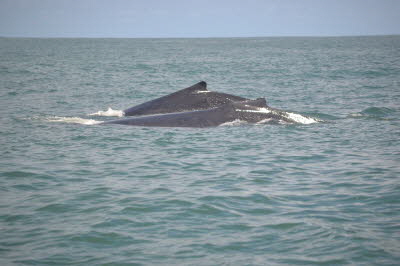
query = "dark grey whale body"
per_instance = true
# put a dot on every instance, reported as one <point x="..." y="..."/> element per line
<point x="251" y="111"/>
<point x="196" y="97"/>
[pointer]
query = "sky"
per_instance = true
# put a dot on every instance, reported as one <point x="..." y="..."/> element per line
<point x="197" y="18"/>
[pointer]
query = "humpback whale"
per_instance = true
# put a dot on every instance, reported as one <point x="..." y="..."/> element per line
<point x="195" y="97"/>
<point x="251" y="111"/>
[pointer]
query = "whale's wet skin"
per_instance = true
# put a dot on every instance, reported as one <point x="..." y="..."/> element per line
<point x="196" y="97"/>
<point x="250" y="111"/>
<point x="195" y="106"/>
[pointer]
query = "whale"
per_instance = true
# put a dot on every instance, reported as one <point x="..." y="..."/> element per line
<point x="195" y="97"/>
<point x="250" y="111"/>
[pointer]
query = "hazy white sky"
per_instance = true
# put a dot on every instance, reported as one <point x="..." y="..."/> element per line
<point x="198" y="18"/>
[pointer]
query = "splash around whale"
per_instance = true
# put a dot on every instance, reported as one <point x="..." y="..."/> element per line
<point x="196" y="106"/>
<point x="249" y="111"/>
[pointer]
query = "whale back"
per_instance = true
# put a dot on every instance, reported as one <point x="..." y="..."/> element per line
<point x="248" y="110"/>
<point x="259" y="102"/>
<point x="195" y="97"/>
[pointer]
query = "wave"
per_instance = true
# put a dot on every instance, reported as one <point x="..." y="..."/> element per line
<point x="379" y="113"/>
<point x="73" y="120"/>
<point x="109" y="112"/>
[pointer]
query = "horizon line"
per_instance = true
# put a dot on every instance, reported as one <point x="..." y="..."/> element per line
<point x="199" y="37"/>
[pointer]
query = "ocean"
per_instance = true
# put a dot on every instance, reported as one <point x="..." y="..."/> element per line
<point x="76" y="193"/>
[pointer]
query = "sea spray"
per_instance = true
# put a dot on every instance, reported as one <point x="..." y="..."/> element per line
<point x="74" y="120"/>
<point x="109" y="112"/>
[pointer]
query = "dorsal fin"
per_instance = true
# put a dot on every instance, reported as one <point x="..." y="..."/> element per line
<point x="259" y="102"/>
<point x="201" y="86"/>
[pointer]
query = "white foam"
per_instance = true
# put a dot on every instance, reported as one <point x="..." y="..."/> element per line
<point x="259" y="110"/>
<point x="264" y="121"/>
<point x="298" y="118"/>
<point x="73" y="120"/>
<point x="355" y="115"/>
<point x="109" y="112"/>
<point x="235" y="122"/>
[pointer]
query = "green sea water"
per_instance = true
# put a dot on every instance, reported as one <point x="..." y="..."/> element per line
<point x="326" y="193"/>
